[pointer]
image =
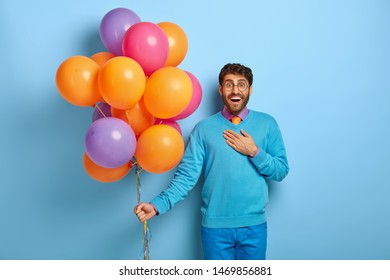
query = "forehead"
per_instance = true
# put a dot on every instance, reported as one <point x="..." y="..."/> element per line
<point x="234" y="78"/>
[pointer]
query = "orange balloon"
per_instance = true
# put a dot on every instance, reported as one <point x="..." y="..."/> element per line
<point x="168" y="92"/>
<point x="159" y="148"/>
<point x="105" y="175"/>
<point x="76" y="80"/>
<point x="139" y="118"/>
<point x="121" y="82"/>
<point x="178" y="43"/>
<point x="102" y="57"/>
<point x="120" y="114"/>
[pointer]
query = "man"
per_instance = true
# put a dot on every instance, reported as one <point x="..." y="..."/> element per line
<point x="237" y="159"/>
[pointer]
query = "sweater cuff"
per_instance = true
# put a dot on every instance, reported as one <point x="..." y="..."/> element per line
<point x="260" y="159"/>
<point x="155" y="209"/>
<point x="158" y="203"/>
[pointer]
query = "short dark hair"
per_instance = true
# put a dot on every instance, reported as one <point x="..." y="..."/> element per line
<point x="237" y="69"/>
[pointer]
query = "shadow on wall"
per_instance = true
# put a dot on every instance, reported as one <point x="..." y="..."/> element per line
<point x="216" y="103"/>
<point x="93" y="44"/>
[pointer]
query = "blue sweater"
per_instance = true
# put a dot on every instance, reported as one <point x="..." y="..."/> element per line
<point x="235" y="189"/>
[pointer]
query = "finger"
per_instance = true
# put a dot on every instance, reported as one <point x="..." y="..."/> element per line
<point x="227" y="137"/>
<point x="141" y="216"/>
<point x="244" y="133"/>
<point x="231" y="134"/>
<point x="231" y="144"/>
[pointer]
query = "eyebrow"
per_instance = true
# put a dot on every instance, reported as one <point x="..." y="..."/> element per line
<point x="240" y="80"/>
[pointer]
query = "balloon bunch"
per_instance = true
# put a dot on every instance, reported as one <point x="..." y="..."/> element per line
<point x="138" y="93"/>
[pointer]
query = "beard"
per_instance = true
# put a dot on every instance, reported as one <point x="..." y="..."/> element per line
<point x="235" y="107"/>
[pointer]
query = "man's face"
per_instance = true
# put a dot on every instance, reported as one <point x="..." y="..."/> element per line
<point x="235" y="92"/>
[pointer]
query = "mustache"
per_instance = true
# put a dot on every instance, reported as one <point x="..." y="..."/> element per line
<point x="236" y="95"/>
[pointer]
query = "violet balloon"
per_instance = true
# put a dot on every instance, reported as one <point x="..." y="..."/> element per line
<point x="146" y="43"/>
<point x="195" y="99"/>
<point x="110" y="142"/>
<point x="114" y="26"/>
<point x="105" y="108"/>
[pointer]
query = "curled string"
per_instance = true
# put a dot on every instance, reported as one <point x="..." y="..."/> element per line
<point x="146" y="232"/>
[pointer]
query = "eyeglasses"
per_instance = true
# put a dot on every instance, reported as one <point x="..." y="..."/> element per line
<point x="229" y="86"/>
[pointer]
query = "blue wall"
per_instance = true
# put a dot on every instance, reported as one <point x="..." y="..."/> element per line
<point x="322" y="68"/>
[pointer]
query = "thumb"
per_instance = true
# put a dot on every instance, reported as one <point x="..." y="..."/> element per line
<point x="138" y="208"/>
<point x="244" y="133"/>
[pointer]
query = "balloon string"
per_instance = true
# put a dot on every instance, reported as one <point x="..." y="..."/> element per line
<point x="138" y="171"/>
<point x="100" y="110"/>
<point x="146" y="236"/>
<point x="146" y="239"/>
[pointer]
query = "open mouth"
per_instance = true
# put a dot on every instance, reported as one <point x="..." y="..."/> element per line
<point x="235" y="99"/>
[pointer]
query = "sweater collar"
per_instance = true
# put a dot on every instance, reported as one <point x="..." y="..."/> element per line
<point x="227" y="115"/>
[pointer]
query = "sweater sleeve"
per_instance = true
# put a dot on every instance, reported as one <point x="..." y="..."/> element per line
<point x="185" y="177"/>
<point x="271" y="161"/>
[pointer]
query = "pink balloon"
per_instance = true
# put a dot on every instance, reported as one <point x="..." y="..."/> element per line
<point x="171" y="123"/>
<point x="146" y="43"/>
<point x="195" y="100"/>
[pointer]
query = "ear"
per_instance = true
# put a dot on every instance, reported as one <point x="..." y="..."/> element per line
<point x="250" y="90"/>
<point x="220" y="90"/>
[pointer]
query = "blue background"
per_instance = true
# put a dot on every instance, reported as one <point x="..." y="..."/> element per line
<point x="321" y="69"/>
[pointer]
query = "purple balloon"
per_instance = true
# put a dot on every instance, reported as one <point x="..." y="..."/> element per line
<point x="110" y="142"/>
<point x="114" y="26"/>
<point x="105" y="108"/>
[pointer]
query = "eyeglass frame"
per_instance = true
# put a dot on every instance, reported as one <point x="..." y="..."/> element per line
<point x="247" y="85"/>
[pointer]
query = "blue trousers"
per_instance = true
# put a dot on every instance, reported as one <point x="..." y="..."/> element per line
<point x="244" y="243"/>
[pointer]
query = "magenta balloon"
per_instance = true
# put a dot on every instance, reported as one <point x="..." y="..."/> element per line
<point x="195" y="99"/>
<point x="114" y="26"/>
<point x="105" y="108"/>
<point x="146" y="43"/>
<point x="110" y="142"/>
<point x="169" y="122"/>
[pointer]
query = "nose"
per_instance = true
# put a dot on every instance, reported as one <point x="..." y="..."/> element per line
<point x="235" y="88"/>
